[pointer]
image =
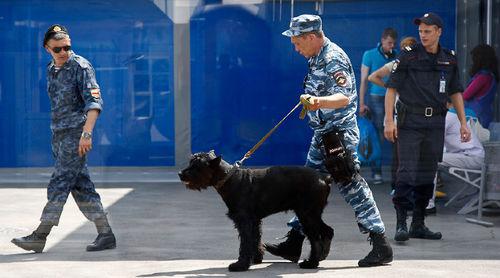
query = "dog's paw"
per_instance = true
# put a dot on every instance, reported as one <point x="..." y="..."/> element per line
<point x="257" y="259"/>
<point x="307" y="264"/>
<point x="239" y="266"/>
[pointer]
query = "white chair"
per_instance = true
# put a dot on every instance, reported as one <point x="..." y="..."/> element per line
<point x="472" y="178"/>
<point x="488" y="199"/>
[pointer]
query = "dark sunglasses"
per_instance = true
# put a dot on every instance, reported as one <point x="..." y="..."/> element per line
<point x="58" y="49"/>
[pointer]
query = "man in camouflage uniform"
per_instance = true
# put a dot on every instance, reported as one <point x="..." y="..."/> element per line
<point x="76" y="102"/>
<point x="330" y="87"/>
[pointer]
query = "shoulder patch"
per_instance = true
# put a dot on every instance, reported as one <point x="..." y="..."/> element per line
<point x="96" y="93"/>
<point x="340" y="78"/>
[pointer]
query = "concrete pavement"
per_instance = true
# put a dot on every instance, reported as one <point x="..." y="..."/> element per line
<point x="164" y="230"/>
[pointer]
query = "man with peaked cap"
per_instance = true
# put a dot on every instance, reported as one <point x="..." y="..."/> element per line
<point x="330" y="91"/>
<point x="75" y="101"/>
<point x="424" y="76"/>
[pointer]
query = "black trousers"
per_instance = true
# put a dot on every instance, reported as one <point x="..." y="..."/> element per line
<point x="420" y="148"/>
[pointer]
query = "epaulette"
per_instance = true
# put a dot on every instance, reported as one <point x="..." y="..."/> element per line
<point x="81" y="61"/>
<point x="449" y="51"/>
<point x="410" y="48"/>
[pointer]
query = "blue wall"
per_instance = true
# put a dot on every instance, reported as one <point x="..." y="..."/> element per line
<point x="129" y="44"/>
<point x="246" y="75"/>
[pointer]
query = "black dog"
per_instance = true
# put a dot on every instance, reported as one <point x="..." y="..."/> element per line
<point x="252" y="194"/>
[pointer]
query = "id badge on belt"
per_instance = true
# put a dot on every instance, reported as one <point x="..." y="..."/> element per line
<point x="442" y="84"/>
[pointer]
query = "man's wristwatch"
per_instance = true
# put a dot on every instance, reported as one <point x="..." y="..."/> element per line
<point x="87" y="135"/>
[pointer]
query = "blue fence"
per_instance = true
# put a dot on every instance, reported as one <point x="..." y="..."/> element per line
<point x="130" y="46"/>
<point x="244" y="74"/>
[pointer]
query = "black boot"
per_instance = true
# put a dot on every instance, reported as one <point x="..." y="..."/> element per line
<point x="102" y="242"/>
<point x="381" y="253"/>
<point x="34" y="242"/>
<point x="418" y="228"/>
<point x="401" y="228"/>
<point x="290" y="249"/>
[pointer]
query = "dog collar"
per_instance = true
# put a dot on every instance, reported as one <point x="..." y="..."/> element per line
<point x="219" y="184"/>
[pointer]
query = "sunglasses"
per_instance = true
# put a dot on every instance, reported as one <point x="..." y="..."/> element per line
<point x="58" y="49"/>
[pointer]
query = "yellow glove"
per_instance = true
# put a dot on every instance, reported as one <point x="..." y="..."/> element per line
<point x="305" y="100"/>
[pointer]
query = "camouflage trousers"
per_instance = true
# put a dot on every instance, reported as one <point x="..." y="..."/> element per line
<point x="70" y="175"/>
<point x="356" y="193"/>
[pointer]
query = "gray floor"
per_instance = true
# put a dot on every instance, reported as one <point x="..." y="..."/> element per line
<point x="164" y="230"/>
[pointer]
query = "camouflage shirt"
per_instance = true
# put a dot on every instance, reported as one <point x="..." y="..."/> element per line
<point x="331" y="72"/>
<point x="73" y="90"/>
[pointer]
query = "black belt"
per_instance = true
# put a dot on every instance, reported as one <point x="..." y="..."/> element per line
<point x="428" y="111"/>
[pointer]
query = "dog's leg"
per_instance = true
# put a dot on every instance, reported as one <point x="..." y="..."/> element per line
<point x="259" y="252"/>
<point x="326" y="235"/>
<point x="312" y="231"/>
<point x="247" y="230"/>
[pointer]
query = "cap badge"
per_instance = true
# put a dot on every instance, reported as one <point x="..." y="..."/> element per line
<point x="56" y="29"/>
<point x="426" y="15"/>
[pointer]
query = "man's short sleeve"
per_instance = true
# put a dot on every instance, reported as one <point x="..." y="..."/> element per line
<point x="367" y="60"/>
<point x="455" y="84"/>
<point x="91" y="93"/>
<point x="399" y="71"/>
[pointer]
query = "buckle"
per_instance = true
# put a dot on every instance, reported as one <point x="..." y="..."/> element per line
<point x="428" y="111"/>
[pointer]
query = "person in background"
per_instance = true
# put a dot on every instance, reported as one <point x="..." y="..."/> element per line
<point x="373" y="59"/>
<point x="480" y="93"/>
<point x="379" y="76"/>
<point x="424" y="76"/>
<point x="76" y="103"/>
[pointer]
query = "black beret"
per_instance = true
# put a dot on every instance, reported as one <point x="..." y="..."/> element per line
<point x="54" y="29"/>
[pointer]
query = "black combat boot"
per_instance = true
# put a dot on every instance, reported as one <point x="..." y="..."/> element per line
<point x="36" y="241"/>
<point x="381" y="253"/>
<point x="418" y="228"/>
<point x="102" y="242"/>
<point x="290" y="249"/>
<point x="105" y="238"/>
<point x="401" y="228"/>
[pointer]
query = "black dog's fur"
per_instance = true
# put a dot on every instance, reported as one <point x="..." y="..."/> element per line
<point x="252" y="194"/>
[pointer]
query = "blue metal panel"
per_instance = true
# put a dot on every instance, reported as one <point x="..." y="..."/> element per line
<point x="130" y="46"/>
<point x="246" y="75"/>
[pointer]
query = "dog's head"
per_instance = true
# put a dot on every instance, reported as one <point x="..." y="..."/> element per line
<point x="200" y="172"/>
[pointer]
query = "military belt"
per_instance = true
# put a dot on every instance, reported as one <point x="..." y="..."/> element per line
<point x="428" y="111"/>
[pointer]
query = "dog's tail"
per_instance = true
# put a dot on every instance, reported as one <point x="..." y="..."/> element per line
<point x="328" y="180"/>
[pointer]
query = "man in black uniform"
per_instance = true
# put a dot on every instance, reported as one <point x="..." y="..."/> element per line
<point x="425" y="76"/>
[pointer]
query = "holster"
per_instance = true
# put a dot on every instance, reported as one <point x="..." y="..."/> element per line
<point x="401" y="113"/>
<point x="338" y="162"/>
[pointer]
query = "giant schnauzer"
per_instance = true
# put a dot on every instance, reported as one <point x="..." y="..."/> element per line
<point x="252" y="194"/>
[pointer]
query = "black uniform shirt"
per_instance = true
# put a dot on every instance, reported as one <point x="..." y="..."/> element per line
<point x="417" y="76"/>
